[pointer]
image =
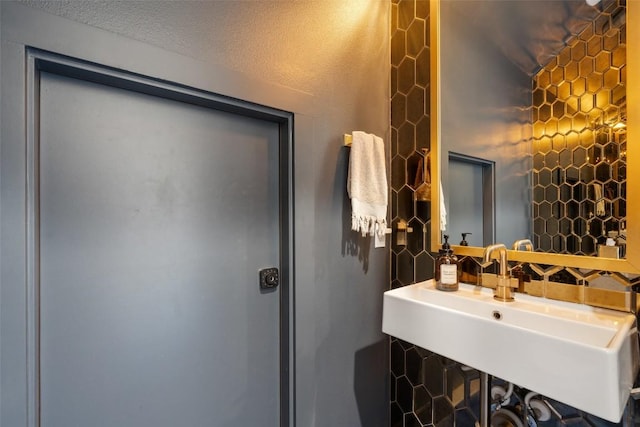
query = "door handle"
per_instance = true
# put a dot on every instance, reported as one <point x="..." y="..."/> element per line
<point x="269" y="278"/>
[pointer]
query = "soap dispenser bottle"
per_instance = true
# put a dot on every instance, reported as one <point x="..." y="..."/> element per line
<point x="468" y="266"/>
<point x="446" y="268"/>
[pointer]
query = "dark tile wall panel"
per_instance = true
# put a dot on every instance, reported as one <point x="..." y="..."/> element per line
<point x="426" y="389"/>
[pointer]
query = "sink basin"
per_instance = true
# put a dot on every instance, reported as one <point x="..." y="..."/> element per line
<point x="583" y="356"/>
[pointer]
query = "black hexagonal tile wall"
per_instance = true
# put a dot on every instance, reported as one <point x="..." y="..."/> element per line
<point x="416" y="374"/>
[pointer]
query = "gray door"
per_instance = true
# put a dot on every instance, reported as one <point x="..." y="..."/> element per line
<point x="154" y="219"/>
<point x="466" y="207"/>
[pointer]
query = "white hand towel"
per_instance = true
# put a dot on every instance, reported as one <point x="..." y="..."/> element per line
<point x="367" y="184"/>
<point x="443" y="211"/>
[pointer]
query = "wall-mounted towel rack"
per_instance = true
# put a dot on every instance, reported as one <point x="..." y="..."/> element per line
<point x="348" y="139"/>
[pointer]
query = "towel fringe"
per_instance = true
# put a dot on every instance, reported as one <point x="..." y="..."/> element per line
<point x="368" y="224"/>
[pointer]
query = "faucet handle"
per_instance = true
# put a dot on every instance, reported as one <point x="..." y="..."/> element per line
<point x="528" y="246"/>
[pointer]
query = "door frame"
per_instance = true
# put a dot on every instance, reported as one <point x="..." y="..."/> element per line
<point x="488" y="193"/>
<point x="38" y="61"/>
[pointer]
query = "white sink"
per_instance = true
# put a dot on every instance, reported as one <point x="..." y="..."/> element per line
<point x="583" y="356"/>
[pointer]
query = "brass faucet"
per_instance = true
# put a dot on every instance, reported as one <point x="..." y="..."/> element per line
<point x="503" y="288"/>
<point x="518" y="271"/>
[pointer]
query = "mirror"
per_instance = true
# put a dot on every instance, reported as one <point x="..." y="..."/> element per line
<point x="515" y="100"/>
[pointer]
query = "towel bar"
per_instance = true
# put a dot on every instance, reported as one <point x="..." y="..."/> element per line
<point x="348" y="139"/>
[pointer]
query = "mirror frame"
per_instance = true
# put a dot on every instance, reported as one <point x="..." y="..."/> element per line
<point x="630" y="264"/>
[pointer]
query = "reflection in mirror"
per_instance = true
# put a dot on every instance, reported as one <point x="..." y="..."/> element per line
<point x="579" y="139"/>
<point x="546" y="104"/>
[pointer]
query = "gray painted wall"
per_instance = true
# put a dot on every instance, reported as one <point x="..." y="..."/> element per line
<point x="486" y="103"/>
<point x="329" y="62"/>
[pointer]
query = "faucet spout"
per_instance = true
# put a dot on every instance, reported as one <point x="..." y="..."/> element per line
<point x="503" y="288"/>
<point x="502" y="252"/>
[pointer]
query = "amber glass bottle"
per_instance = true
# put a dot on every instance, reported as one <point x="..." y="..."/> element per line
<point x="446" y="268"/>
